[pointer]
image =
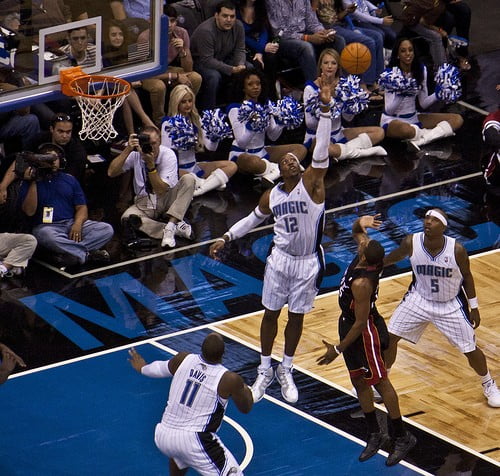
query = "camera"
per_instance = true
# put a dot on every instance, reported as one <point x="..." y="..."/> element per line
<point x="146" y="147"/>
<point x="42" y="164"/>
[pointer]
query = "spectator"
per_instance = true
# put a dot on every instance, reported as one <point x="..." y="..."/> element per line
<point x="218" y="47"/>
<point x="79" y="52"/>
<point x="420" y="17"/>
<point x="345" y="142"/>
<point x="368" y="16"/>
<point x="159" y="193"/>
<point x="249" y="149"/>
<point x="115" y="42"/>
<point x="301" y="33"/>
<point x="15" y="251"/>
<point x="208" y="175"/>
<point x="58" y="207"/>
<point x="333" y="15"/>
<point x="261" y="48"/>
<point x="179" y="71"/>
<point x="9" y="362"/>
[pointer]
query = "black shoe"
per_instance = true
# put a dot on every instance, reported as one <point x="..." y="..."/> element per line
<point x="402" y="446"/>
<point x="374" y="443"/>
<point x="98" y="256"/>
<point x="63" y="261"/>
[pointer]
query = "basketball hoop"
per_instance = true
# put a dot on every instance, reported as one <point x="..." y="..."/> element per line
<point x="98" y="97"/>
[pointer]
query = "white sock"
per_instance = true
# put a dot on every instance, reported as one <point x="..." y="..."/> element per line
<point x="265" y="361"/>
<point x="170" y="226"/>
<point x="485" y="378"/>
<point x="287" y="361"/>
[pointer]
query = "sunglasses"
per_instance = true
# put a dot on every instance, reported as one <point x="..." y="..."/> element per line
<point x="62" y="118"/>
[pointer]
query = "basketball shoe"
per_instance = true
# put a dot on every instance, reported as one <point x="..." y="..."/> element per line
<point x="374" y="443"/>
<point x="263" y="380"/>
<point x="168" y="239"/>
<point x="285" y="379"/>
<point x="402" y="446"/>
<point x="184" y="230"/>
<point x="492" y="393"/>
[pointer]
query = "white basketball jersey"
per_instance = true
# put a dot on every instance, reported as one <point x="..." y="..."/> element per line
<point x="299" y="222"/>
<point x="435" y="278"/>
<point x="193" y="403"/>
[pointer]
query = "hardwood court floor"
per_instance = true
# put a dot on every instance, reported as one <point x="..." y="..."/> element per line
<point x="435" y="384"/>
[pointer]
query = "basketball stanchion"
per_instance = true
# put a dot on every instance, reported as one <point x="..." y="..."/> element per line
<point x="355" y="58"/>
<point x="98" y="98"/>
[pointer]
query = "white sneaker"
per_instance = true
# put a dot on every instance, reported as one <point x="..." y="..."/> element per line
<point x="288" y="388"/>
<point x="263" y="380"/>
<point x="492" y="393"/>
<point x="168" y="237"/>
<point x="184" y="230"/>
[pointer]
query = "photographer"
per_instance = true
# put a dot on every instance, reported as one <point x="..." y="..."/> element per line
<point x="58" y="207"/>
<point x="159" y="193"/>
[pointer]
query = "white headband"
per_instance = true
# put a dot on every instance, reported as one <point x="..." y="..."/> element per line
<point x="294" y="156"/>
<point x="438" y="215"/>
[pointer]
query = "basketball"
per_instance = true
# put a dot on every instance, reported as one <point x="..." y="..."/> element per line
<point x="355" y="58"/>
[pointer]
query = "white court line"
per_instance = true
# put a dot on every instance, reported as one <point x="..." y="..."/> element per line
<point x="260" y="228"/>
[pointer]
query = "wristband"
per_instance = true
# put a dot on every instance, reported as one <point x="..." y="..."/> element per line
<point x="473" y="303"/>
<point x="336" y="349"/>
<point x="220" y="239"/>
<point x="306" y="37"/>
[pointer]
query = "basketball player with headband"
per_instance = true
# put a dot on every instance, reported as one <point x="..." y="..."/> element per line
<point x="294" y="268"/>
<point x="442" y="292"/>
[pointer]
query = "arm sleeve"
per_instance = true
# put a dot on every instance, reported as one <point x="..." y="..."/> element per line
<point x="311" y="121"/>
<point x="320" y="152"/>
<point x="424" y="99"/>
<point x="157" y="369"/>
<point x="242" y="227"/>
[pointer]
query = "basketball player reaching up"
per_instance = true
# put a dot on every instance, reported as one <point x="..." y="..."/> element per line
<point x="363" y="338"/>
<point x="199" y="393"/>
<point x="294" y="267"/>
<point x="441" y="292"/>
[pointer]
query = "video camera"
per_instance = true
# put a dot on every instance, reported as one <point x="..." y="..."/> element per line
<point x="42" y="164"/>
<point x="145" y="144"/>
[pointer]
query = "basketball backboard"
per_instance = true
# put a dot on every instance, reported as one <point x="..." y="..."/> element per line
<point x="38" y="50"/>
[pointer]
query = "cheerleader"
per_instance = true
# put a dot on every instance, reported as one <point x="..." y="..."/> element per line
<point x="252" y="121"/>
<point x="403" y="84"/>
<point x="209" y="175"/>
<point x="345" y="143"/>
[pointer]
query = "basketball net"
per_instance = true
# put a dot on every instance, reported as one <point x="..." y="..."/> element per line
<point x="98" y="97"/>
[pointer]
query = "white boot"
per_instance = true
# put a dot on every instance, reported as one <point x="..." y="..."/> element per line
<point x="443" y="129"/>
<point x="198" y="181"/>
<point x="363" y="141"/>
<point x="349" y="152"/>
<point x="215" y="180"/>
<point x="271" y="173"/>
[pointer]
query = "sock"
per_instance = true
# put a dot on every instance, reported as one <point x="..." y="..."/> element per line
<point x="265" y="361"/>
<point x="398" y="427"/>
<point x="170" y="226"/>
<point x="372" y="422"/>
<point x="287" y="361"/>
<point x="485" y="378"/>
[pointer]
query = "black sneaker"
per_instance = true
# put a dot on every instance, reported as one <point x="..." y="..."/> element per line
<point x="402" y="446"/>
<point x="98" y="256"/>
<point x="374" y="443"/>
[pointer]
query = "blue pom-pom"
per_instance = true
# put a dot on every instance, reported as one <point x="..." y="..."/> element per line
<point x="394" y="81"/>
<point x="254" y="115"/>
<point x="287" y="112"/>
<point x="182" y="132"/>
<point x="448" y="84"/>
<point x="215" y="125"/>
<point x="353" y="99"/>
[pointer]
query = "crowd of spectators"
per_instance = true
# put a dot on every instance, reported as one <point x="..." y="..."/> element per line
<point x="221" y="54"/>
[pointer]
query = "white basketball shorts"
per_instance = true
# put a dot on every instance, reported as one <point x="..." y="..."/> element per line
<point x="414" y="313"/>
<point x="204" y="452"/>
<point x="290" y="279"/>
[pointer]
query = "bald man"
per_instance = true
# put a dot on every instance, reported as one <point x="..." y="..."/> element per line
<point x="200" y="390"/>
<point x="442" y="291"/>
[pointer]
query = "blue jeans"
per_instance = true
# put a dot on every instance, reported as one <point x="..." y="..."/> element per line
<point x="304" y="53"/>
<point x="374" y="41"/>
<point x="26" y="127"/>
<point x="388" y="32"/>
<point x="55" y="237"/>
<point x="212" y="81"/>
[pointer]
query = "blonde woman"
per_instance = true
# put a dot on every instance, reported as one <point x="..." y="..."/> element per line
<point x="345" y="142"/>
<point x="209" y="175"/>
